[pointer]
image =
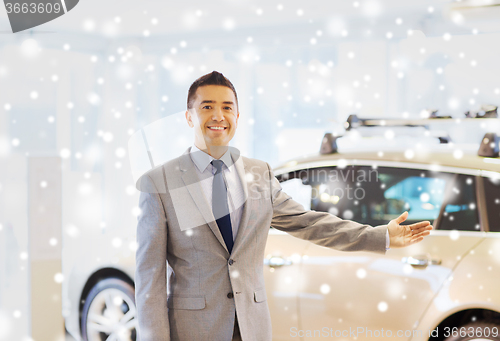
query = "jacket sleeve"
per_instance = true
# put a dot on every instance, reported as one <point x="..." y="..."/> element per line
<point x="322" y="228"/>
<point x="151" y="267"/>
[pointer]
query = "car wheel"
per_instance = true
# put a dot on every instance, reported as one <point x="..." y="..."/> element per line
<point x="109" y="312"/>
<point x="476" y="331"/>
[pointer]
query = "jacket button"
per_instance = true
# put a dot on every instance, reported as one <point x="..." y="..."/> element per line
<point x="231" y="262"/>
<point x="230" y="295"/>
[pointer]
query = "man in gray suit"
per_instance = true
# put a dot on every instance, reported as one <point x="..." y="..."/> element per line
<point x="208" y="214"/>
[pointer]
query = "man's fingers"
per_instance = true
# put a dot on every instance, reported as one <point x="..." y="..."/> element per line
<point x="421" y="229"/>
<point x="417" y="240"/>
<point x="420" y="235"/>
<point x="423" y="234"/>
<point x="420" y="224"/>
<point x="402" y="217"/>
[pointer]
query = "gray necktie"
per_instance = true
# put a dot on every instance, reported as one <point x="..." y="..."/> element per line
<point x="220" y="207"/>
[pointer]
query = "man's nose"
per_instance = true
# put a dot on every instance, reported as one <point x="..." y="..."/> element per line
<point x="218" y="115"/>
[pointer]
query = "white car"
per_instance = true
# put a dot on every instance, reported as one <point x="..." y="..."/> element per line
<point x="445" y="287"/>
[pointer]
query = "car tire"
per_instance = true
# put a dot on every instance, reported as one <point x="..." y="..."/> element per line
<point x="477" y="331"/>
<point x="109" y="309"/>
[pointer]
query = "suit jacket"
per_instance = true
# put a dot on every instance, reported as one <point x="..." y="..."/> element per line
<point x="207" y="284"/>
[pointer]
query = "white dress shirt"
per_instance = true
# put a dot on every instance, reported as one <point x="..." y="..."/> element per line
<point x="235" y="192"/>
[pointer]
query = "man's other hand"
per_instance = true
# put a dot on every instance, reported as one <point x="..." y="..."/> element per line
<point x="405" y="235"/>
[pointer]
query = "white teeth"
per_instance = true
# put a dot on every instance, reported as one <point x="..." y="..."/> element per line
<point x="217" y="128"/>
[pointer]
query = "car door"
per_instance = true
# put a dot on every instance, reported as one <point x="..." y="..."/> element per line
<point x="367" y="295"/>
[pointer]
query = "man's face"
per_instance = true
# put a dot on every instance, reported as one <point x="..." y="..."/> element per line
<point x="214" y="116"/>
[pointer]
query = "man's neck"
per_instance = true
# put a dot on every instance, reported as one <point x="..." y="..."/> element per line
<point x="214" y="151"/>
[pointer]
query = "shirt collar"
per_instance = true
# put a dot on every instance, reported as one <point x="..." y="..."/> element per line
<point x="202" y="159"/>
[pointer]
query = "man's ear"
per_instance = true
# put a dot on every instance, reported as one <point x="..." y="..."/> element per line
<point x="237" y="117"/>
<point x="189" y="119"/>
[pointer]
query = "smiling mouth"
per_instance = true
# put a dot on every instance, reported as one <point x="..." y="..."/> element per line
<point x="217" y="128"/>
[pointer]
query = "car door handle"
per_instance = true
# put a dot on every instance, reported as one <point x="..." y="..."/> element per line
<point x="277" y="261"/>
<point x="420" y="261"/>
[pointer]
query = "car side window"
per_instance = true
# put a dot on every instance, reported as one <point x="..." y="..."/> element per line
<point x="422" y="196"/>
<point x="296" y="186"/>
<point x="460" y="211"/>
<point x="374" y="196"/>
<point x="492" y="191"/>
<point x="299" y="191"/>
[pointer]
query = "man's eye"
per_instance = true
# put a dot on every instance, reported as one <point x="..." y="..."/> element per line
<point x="206" y="107"/>
<point x="229" y="108"/>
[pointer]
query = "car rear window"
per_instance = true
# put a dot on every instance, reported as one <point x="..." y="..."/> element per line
<point x="492" y="191"/>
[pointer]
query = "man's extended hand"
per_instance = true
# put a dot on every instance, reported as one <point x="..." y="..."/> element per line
<point x="405" y="235"/>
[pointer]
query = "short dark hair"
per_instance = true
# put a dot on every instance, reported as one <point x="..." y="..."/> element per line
<point x="212" y="78"/>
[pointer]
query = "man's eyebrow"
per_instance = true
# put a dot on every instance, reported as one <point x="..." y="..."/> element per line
<point x="210" y="101"/>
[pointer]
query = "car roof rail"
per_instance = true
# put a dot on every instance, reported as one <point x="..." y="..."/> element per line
<point x="490" y="145"/>
<point x="329" y="144"/>
<point x="353" y="122"/>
